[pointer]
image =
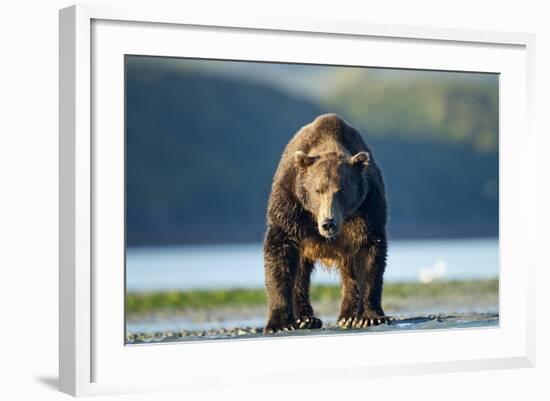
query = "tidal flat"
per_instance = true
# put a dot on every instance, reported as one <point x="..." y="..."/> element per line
<point x="429" y="322"/>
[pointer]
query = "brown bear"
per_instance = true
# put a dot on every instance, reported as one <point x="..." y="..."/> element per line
<point x="327" y="206"/>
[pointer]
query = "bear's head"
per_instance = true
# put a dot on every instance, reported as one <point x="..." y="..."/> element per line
<point x="331" y="187"/>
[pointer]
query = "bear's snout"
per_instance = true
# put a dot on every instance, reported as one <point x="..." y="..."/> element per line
<point x="328" y="228"/>
<point x="329" y="216"/>
<point x="328" y="225"/>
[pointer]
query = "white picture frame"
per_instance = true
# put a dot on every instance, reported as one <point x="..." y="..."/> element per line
<point x="93" y="357"/>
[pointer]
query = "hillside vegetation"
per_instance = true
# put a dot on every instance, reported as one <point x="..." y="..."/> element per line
<point x="427" y="105"/>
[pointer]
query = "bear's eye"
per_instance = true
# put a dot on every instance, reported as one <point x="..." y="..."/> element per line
<point x="318" y="191"/>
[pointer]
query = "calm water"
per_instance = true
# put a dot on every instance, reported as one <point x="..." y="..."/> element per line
<point x="241" y="266"/>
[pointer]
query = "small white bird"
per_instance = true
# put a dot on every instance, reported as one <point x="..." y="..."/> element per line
<point x="434" y="273"/>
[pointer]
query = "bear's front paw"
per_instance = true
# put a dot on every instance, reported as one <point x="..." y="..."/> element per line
<point x="370" y="319"/>
<point x="365" y="320"/>
<point x="274" y="328"/>
<point x="309" y="322"/>
<point x="278" y="323"/>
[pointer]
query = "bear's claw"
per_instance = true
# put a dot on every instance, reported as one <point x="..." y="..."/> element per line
<point x="309" y="322"/>
<point x="362" y="322"/>
<point x="345" y="322"/>
<point x="370" y="321"/>
<point x="273" y="329"/>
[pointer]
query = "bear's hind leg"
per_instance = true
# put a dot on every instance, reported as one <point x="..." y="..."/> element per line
<point x="305" y="318"/>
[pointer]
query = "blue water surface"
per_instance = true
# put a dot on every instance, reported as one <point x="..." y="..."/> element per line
<point x="241" y="266"/>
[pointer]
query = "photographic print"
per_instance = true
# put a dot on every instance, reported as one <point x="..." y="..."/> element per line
<point x="279" y="199"/>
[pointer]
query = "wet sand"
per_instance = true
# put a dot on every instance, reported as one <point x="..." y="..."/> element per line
<point x="429" y="322"/>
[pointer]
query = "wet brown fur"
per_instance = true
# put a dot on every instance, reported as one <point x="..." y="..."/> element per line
<point x="293" y="243"/>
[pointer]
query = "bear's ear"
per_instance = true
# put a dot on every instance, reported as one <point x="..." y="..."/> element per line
<point x="302" y="160"/>
<point x="361" y="158"/>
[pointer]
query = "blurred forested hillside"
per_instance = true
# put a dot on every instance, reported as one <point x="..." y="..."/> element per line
<point x="438" y="106"/>
<point x="202" y="146"/>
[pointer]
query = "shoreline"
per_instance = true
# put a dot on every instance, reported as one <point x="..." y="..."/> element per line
<point x="227" y="311"/>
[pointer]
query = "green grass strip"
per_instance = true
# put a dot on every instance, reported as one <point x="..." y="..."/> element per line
<point x="138" y="303"/>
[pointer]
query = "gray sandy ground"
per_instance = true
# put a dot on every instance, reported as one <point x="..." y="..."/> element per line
<point x="428" y="322"/>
